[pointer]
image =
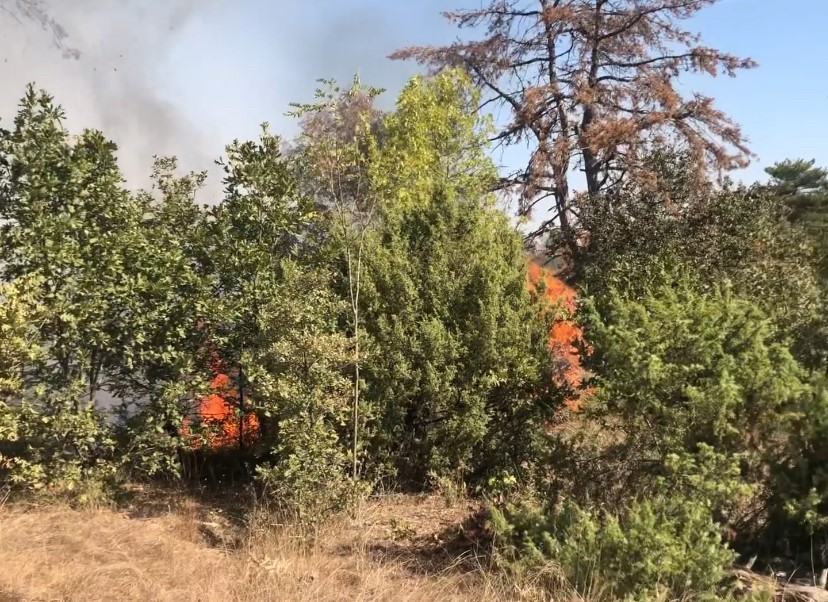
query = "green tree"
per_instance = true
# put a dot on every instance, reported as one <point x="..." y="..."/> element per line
<point x="797" y="177"/>
<point x="456" y="367"/>
<point x="797" y="504"/>
<point x="69" y="221"/>
<point x="260" y="223"/>
<point x="273" y="321"/>
<point x="118" y="290"/>
<point x="803" y="187"/>
<point x="161" y="371"/>
<point x="299" y="377"/>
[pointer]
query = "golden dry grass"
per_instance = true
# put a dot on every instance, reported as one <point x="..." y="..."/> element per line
<point x="390" y="550"/>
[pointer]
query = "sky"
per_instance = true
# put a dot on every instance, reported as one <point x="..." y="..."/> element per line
<point x="186" y="77"/>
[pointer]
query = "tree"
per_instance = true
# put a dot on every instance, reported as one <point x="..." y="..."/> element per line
<point x="797" y="506"/>
<point x="798" y="177"/>
<point x="70" y="221"/>
<point x="300" y="378"/>
<point x="335" y="145"/>
<point x="118" y="277"/>
<point x="590" y="85"/>
<point x="261" y="223"/>
<point x="458" y="371"/>
<point x="804" y="190"/>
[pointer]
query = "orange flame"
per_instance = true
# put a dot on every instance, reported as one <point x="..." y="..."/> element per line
<point x="218" y="412"/>
<point x="565" y="334"/>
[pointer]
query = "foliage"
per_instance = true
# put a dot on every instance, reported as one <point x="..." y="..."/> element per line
<point x="64" y="214"/>
<point x="661" y="547"/>
<point x="456" y="377"/>
<point x="118" y="287"/>
<point x="20" y="341"/>
<point x="688" y="378"/>
<point x="734" y="233"/>
<point x="301" y="386"/>
<point x="356" y="304"/>
<point x="433" y="139"/>
<point x="337" y="141"/>
<point x="260" y="223"/>
<point x="798" y="504"/>
<point x="274" y="328"/>
<point x="63" y="444"/>
<point x="804" y="190"/>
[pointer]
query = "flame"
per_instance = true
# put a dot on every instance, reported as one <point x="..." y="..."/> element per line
<point x="565" y="335"/>
<point x="219" y="413"/>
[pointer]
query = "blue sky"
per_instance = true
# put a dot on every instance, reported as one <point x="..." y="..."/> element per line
<point x="185" y="77"/>
<point x="240" y="65"/>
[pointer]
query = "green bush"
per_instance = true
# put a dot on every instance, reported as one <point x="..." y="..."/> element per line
<point x="732" y="233"/>
<point x="693" y="393"/>
<point x="797" y="504"/>
<point x="61" y="445"/>
<point x="656" y="547"/>
<point x="300" y="386"/>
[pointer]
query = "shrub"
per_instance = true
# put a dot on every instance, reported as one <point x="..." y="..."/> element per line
<point x="656" y="547"/>
<point x="60" y="444"/>
<point x="300" y="388"/>
<point x="692" y="392"/>
<point x="797" y="505"/>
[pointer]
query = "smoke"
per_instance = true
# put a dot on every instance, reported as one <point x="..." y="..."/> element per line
<point x="185" y="77"/>
<point x="98" y="60"/>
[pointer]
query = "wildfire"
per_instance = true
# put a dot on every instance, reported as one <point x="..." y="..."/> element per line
<point x="564" y="334"/>
<point x="220" y="414"/>
<point x="227" y="427"/>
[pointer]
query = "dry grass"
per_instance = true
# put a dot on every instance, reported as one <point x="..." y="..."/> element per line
<point x="391" y="550"/>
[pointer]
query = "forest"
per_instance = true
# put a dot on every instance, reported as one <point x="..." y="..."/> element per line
<point x="633" y="390"/>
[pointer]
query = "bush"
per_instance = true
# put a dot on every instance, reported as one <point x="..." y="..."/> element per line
<point x="656" y="547"/>
<point x="734" y="233"/>
<point x="797" y="505"/>
<point x="299" y="386"/>
<point x="60" y="445"/>
<point x="459" y="366"/>
<point x="692" y="392"/>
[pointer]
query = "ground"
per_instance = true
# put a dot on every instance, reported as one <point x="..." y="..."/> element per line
<point x="173" y="548"/>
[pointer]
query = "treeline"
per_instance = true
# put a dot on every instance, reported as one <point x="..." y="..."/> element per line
<point x="359" y="315"/>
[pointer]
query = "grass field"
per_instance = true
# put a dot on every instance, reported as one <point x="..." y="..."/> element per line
<point x="172" y="548"/>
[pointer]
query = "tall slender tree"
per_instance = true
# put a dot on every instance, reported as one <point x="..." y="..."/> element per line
<point x="336" y="141"/>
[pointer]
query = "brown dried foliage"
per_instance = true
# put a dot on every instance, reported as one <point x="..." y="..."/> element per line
<point x="591" y="85"/>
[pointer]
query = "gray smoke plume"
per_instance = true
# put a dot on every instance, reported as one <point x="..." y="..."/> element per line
<point x="97" y="59"/>
<point x="239" y="63"/>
